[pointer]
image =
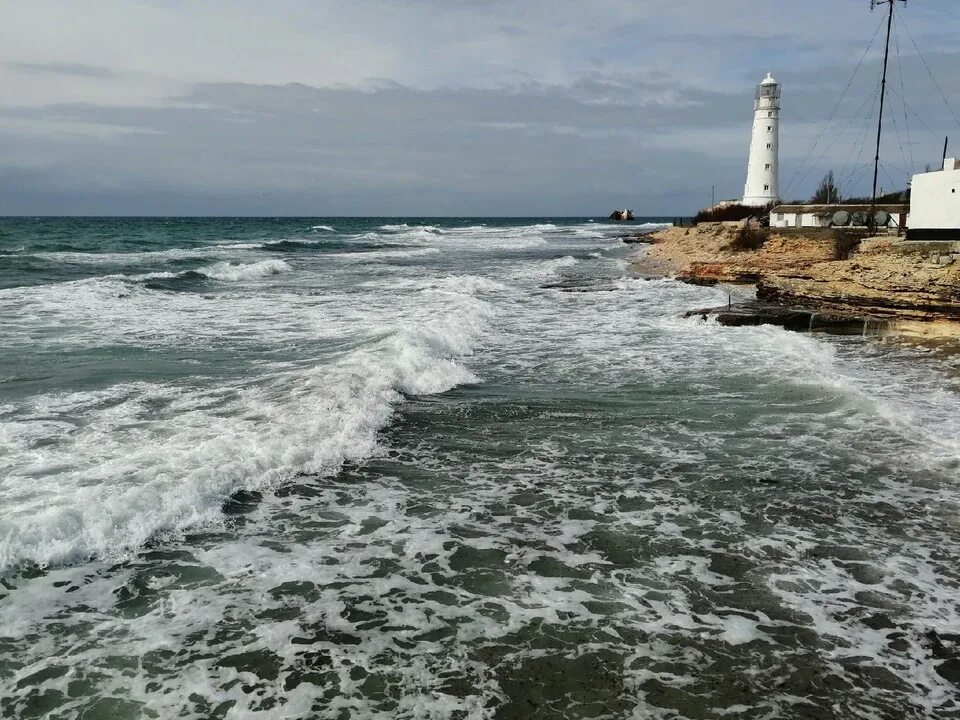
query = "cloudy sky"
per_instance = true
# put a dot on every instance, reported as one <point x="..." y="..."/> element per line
<point x="449" y="107"/>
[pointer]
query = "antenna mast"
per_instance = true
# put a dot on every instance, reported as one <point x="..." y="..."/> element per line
<point x="883" y="94"/>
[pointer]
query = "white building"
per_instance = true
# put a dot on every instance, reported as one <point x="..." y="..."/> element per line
<point x="935" y="204"/>
<point x="822" y="216"/>
<point x="763" y="171"/>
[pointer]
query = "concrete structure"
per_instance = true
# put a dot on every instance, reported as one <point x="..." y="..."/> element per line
<point x="763" y="171"/>
<point x="814" y="216"/>
<point x="935" y="204"/>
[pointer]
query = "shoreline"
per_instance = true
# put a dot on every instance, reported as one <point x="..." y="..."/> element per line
<point x="910" y="289"/>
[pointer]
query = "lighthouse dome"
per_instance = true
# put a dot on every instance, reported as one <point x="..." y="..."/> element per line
<point x="769" y="80"/>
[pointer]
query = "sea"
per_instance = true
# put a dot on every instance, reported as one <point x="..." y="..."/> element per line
<point x="447" y="468"/>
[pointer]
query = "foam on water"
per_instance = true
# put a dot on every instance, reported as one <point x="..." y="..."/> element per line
<point x="133" y="460"/>
<point x="478" y="495"/>
<point x="250" y="271"/>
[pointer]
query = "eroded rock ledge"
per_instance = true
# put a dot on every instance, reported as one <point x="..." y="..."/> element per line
<point x="885" y="278"/>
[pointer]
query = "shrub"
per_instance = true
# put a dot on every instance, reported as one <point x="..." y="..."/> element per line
<point x="845" y="243"/>
<point x="750" y="238"/>
<point x="729" y="213"/>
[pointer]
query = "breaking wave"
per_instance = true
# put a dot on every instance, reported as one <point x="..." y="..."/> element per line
<point x="139" y="459"/>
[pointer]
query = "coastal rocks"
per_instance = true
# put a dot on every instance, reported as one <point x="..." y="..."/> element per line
<point x="789" y="318"/>
<point x="878" y="284"/>
<point x="886" y="279"/>
<point x="706" y="251"/>
<point x="622" y="215"/>
<point x="640" y="238"/>
<point x="579" y="286"/>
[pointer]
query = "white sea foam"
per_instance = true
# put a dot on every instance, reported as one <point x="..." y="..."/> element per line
<point x="325" y="228"/>
<point x="120" y="465"/>
<point x="679" y="505"/>
<point x="236" y="272"/>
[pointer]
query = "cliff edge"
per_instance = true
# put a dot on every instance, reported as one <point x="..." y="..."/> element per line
<point x="819" y="269"/>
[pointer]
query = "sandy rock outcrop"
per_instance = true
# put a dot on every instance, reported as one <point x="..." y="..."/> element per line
<point x="884" y="277"/>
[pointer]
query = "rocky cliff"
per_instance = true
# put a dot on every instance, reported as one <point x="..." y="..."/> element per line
<point x="882" y="277"/>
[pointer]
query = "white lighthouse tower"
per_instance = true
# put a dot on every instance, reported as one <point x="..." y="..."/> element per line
<point x="763" y="172"/>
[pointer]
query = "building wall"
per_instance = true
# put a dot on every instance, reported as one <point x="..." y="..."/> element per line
<point x="935" y="199"/>
<point x="812" y="220"/>
<point x="792" y="219"/>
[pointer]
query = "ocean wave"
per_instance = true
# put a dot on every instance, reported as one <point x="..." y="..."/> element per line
<point x="230" y="272"/>
<point x="126" y="463"/>
<point x="375" y="256"/>
<point x="324" y="228"/>
<point x="138" y="257"/>
<point x="415" y="229"/>
<point x="546" y="269"/>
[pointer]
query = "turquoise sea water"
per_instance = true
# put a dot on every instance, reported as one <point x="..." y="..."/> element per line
<point x="435" y="468"/>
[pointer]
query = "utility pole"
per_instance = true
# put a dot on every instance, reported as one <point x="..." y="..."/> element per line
<point x="883" y="95"/>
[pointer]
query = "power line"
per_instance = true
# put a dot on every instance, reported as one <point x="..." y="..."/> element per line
<point x="870" y="99"/>
<point x="858" y="146"/>
<point x="943" y="95"/>
<point x="833" y="113"/>
<point x="919" y="117"/>
<point x="903" y="94"/>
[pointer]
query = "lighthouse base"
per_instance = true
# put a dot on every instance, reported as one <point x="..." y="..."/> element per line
<point x="759" y="201"/>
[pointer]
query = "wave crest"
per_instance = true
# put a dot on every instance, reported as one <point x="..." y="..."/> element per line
<point x="231" y="272"/>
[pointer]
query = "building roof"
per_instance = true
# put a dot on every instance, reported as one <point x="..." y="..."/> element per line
<point x="892" y="208"/>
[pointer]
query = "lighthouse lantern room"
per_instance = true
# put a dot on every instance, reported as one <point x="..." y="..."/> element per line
<point x="763" y="172"/>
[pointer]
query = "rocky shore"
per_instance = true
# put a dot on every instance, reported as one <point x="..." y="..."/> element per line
<point x="909" y="286"/>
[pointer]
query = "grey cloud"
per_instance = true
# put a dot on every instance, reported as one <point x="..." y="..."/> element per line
<point x="609" y="140"/>
<point x="89" y="71"/>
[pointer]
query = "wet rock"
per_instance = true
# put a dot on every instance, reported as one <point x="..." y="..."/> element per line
<point x="644" y="238"/>
<point x="580" y="286"/>
<point x="700" y="281"/>
<point x="745" y="315"/>
<point x="752" y="314"/>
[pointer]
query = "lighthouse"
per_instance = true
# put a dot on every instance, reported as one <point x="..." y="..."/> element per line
<point x="763" y="172"/>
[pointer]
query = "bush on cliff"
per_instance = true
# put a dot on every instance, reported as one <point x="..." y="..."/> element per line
<point x="749" y="238"/>
<point x="729" y="213"/>
<point x="845" y="243"/>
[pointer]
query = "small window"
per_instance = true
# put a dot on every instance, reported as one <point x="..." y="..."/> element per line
<point x="770" y="114"/>
<point x="766" y="187"/>
<point x="769" y="145"/>
<point x="767" y="166"/>
<point x="769" y="128"/>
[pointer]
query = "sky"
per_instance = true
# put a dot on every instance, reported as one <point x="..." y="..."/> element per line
<point x="453" y="107"/>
